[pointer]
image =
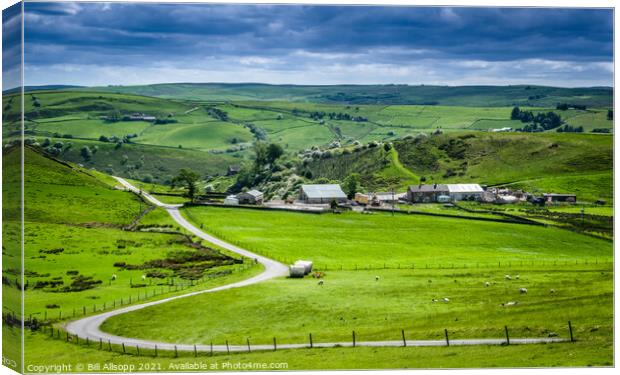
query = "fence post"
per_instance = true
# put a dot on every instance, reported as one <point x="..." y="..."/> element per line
<point x="227" y="347"/>
<point x="507" y="337"/>
<point x="74" y="312"/>
<point x="77" y="339"/>
<point x="211" y="352"/>
<point x="275" y="347"/>
<point x="354" y="339"/>
<point x="404" y="341"/>
<point x="195" y="351"/>
<point x="248" y="341"/>
<point x="311" y="344"/>
<point x="138" y="350"/>
<point x="570" y="330"/>
<point x="155" y="350"/>
<point x="176" y="353"/>
<point x="100" y="343"/>
<point x="87" y="341"/>
<point x="447" y="339"/>
<point x="67" y="337"/>
<point x="109" y="346"/>
<point x="123" y="346"/>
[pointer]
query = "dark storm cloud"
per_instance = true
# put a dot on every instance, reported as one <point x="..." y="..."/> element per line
<point x="281" y="38"/>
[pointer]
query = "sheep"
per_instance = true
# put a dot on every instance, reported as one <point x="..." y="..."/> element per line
<point x="376" y="278"/>
<point x="523" y="290"/>
<point x="507" y="277"/>
<point x="435" y="300"/>
<point x="552" y="291"/>
<point x="511" y="303"/>
<point x="446" y="299"/>
<point x="143" y="277"/>
<point x="487" y="284"/>
<point x="320" y="283"/>
<point x="113" y="276"/>
<point x="517" y="277"/>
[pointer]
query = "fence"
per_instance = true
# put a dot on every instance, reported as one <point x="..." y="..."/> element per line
<point x="172" y="286"/>
<point x="401" y="338"/>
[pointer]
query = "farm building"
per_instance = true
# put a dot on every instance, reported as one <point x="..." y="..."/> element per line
<point x="233" y="170"/>
<point x="461" y="192"/>
<point x="250" y="197"/>
<point x="444" y="193"/>
<point x="560" y="198"/>
<point x="231" y="200"/>
<point x="426" y="193"/>
<point x="389" y="198"/>
<point x="322" y="193"/>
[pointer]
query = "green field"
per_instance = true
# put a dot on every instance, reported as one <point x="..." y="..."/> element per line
<point x="375" y="240"/>
<point x="415" y="262"/>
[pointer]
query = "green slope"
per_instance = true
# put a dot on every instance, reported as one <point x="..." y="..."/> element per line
<point x="378" y="94"/>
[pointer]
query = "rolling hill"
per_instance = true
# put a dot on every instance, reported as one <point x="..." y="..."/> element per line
<point x="379" y="94"/>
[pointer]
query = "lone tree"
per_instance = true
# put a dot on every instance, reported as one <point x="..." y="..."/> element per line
<point x="86" y="153"/>
<point x="187" y="179"/>
<point x="351" y="184"/>
<point x="274" y="151"/>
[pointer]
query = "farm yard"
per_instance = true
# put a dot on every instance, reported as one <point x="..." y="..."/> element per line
<point x="92" y="247"/>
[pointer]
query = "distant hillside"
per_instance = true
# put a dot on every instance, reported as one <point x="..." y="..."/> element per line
<point x="40" y="88"/>
<point x="539" y="163"/>
<point x="524" y="95"/>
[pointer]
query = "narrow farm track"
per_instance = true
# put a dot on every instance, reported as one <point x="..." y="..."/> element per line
<point x="88" y="327"/>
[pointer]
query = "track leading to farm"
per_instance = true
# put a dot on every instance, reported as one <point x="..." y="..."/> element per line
<point x="88" y="327"/>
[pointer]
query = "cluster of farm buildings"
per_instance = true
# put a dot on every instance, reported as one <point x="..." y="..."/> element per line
<point x="328" y="194"/>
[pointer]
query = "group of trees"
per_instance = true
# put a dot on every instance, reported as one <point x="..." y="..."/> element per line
<point x="566" y="106"/>
<point x="265" y="157"/>
<point x="340" y="116"/>
<point x="536" y="122"/>
<point x="259" y="133"/>
<point x="570" y="129"/>
<point x="218" y="114"/>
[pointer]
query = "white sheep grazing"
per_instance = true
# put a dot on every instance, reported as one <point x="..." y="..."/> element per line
<point x="143" y="277"/>
<point x="445" y="299"/>
<point x="321" y="283"/>
<point x="376" y="278"/>
<point x="517" y="277"/>
<point x="487" y="284"/>
<point x="113" y="276"/>
<point x="552" y="291"/>
<point x="435" y="300"/>
<point x="511" y="303"/>
<point x="507" y="277"/>
<point x="523" y="290"/>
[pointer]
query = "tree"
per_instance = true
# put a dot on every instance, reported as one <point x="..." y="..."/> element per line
<point x="188" y="179"/>
<point x="610" y="114"/>
<point x="260" y="156"/>
<point x="103" y="138"/>
<point x="86" y="153"/>
<point x="515" y="114"/>
<point x="274" y="151"/>
<point x="351" y="184"/>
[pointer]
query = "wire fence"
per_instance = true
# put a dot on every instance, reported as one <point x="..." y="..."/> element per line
<point x="401" y="338"/>
<point x="143" y="293"/>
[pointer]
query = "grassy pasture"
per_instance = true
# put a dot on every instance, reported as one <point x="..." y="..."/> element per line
<point x="290" y="309"/>
<point x="205" y="136"/>
<point x="351" y="239"/>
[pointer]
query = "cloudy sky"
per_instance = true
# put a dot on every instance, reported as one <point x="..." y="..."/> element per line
<point x="111" y="43"/>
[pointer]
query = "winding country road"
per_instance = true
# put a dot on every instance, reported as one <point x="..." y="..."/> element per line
<point x="88" y="327"/>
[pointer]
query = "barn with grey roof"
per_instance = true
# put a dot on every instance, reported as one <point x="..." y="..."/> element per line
<point x="322" y="193"/>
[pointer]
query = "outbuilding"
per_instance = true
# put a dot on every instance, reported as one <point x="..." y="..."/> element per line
<point x="462" y="192"/>
<point x="426" y="193"/>
<point x="560" y="198"/>
<point x="250" y="197"/>
<point x="322" y="193"/>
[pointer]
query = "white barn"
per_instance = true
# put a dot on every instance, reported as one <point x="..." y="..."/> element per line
<point x="461" y="192"/>
<point x="322" y="193"/>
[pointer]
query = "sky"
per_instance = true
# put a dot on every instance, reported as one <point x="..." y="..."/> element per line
<point x="95" y="44"/>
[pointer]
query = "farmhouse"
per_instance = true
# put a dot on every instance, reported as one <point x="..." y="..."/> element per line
<point x="461" y="192"/>
<point x="250" y="197"/>
<point x="322" y="193"/>
<point x="557" y="198"/>
<point x="233" y="170"/>
<point x="426" y="193"/>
